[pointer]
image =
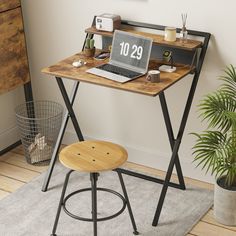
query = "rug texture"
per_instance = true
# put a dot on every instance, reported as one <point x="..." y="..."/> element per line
<point x="30" y="212"/>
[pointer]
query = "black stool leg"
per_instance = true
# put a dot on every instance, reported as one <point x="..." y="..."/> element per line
<point x="128" y="203"/>
<point x="60" y="203"/>
<point x="94" y="178"/>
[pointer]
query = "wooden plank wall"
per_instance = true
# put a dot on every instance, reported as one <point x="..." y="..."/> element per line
<point x="14" y="70"/>
<point x="8" y="4"/>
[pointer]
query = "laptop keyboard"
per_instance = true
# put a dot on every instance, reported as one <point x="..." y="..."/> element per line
<point x="119" y="70"/>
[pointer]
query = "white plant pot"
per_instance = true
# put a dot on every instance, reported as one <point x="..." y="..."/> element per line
<point x="224" y="205"/>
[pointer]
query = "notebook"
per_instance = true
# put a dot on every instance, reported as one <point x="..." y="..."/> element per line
<point x="129" y="58"/>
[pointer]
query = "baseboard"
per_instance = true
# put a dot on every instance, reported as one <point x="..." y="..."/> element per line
<point x="9" y="148"/>
<point x="153" y="159"/>
<point x="9" y="137"/>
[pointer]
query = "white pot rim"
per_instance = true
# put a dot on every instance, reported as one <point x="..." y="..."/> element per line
<point x="225" y="189"/>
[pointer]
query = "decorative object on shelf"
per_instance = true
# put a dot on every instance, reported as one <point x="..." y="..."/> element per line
<point x="215" y="148"/>
<point x="167" y="57"/>
<point x="170" y="34"/>
<point x="153" y="76"/>
<point x="108" y="22"/>
<point x="89" y="48"/>
<point x="183" y="33"/>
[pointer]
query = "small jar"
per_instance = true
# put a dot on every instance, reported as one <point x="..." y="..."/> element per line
<point x="170" y="34"/>
<point x="183" y="36"/>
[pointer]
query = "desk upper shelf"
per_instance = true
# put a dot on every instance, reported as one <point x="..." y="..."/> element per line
<point x="190" y="45"/>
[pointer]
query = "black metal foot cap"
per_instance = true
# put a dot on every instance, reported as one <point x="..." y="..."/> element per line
<point x="136" y="233"/>
<point x="53" y="235"/>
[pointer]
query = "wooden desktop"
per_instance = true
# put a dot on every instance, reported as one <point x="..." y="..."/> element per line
<point x="140" y="85"/>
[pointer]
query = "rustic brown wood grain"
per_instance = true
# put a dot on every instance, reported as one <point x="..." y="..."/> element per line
<point x="8" y="4"/>
<point x="141" y="85"/>
<point x="157" y="39"/>
<point x="14" y="69"/>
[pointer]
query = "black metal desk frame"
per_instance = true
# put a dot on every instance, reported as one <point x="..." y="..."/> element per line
<point x="174" y="142"/>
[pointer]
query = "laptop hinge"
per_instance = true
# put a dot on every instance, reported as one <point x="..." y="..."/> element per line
<point x="135" y="69"/>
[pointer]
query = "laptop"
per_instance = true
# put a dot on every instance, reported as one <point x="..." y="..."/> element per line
<point x="128" y="60"/>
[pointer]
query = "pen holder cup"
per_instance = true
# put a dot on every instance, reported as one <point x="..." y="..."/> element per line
<point x="89" y="52"/>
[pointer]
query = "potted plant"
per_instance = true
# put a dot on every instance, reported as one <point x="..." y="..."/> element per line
<point x="215" y="148"/>
<point x="89" y="49"/>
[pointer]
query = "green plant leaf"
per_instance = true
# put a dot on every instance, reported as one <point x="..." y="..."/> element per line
<point x="218" y="110"/>
<point x="215" y="150"/>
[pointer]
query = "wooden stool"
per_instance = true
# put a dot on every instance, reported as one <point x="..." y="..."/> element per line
<point x="93" y="157"/>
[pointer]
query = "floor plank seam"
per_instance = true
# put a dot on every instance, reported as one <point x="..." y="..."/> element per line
<point x="219" y="226"/>
<point x="21" y="167"/>
<point x="13" y="178"/>
<point x="4" y="190"/>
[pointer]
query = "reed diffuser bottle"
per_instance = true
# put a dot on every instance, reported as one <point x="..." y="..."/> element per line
<point x="183" y="33"/>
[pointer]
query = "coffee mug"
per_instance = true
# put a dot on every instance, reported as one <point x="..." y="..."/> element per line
<point x="153" y="76"/>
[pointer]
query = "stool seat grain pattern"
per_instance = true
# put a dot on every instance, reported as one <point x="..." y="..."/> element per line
<point x="93" y="156"/>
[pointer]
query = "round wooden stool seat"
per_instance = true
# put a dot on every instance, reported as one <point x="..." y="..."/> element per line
<point x="93" y="156"/>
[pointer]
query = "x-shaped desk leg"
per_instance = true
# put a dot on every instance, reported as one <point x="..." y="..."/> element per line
<point x="171" y="139"/>
<point x="175" y="144"/>
<point x="69" y="113"/>
<point x="173" y="162"/>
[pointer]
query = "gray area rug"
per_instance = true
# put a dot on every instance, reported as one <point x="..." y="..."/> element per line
<point x="30" y="212"/>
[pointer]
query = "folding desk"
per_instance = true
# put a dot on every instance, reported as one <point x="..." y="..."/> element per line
<point x="64" y="69"/>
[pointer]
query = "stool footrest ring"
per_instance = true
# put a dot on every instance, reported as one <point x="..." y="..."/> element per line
<point x="90" y="219"/>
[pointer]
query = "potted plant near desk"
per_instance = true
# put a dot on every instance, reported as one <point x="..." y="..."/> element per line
<point x="215" y="148"/>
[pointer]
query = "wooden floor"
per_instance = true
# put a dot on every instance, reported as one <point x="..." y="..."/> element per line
<point x="15" y="172"/>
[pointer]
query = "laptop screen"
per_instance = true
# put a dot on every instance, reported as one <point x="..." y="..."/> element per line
<point x="131" y="50"/>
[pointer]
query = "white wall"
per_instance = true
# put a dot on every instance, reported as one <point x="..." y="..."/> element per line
<point x="55" y="30"/>
<point x="8" y="131"/>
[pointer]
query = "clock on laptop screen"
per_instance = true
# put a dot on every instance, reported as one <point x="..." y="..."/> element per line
<point x="131" y="49"/>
